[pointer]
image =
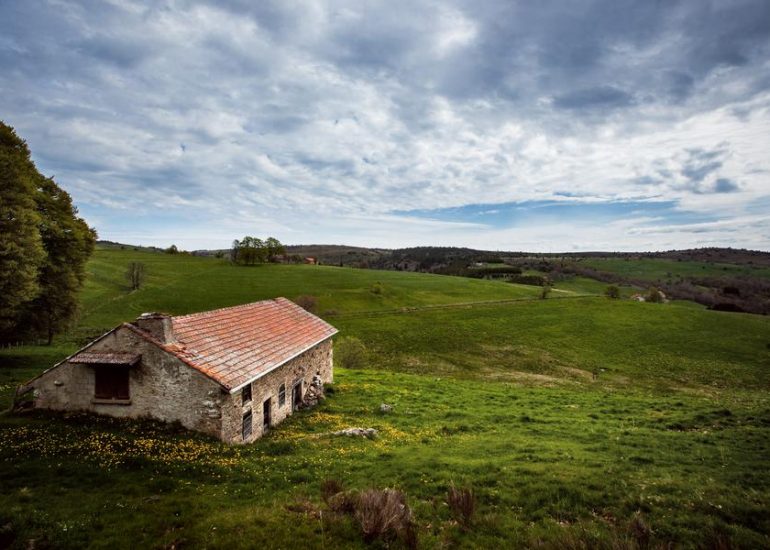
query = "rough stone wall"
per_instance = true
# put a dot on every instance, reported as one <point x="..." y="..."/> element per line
<point x="160" y="386"/>
<point x="316" y="361"/>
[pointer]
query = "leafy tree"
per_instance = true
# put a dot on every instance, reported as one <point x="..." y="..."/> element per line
<point x="234" y="249"/>
<point x="274" y="249"/>
<point x="21" y="248"/>
<point x="172" y="249"/>
<point x="135" y="275"/>
<point x="68" y="242"/>
<point x="253" y="250"/>
<point x="44" y="246"/>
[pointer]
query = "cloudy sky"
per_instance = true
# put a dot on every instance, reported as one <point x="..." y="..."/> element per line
<point x="502" y="124"/>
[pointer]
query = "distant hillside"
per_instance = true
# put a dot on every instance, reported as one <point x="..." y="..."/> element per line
<point x="110" y="245"/>
<point x="729" y="279"/>
<point x="720" y="278"/>
<point x="340" y="255"/>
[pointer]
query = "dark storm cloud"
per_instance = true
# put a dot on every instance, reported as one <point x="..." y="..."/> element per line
<point x="600" y="97"/>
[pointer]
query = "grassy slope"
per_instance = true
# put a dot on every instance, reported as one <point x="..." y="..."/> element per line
<point x="653" y="269"/>
<point x="625" y="343"/>
<point x="184" y="284"/>
<point x="674" y="426"/>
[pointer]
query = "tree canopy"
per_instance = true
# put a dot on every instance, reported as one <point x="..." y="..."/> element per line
<point x="253" y="250"/>
<point x="44" y="246"/>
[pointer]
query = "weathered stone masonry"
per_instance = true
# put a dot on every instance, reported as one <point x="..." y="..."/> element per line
<point x="161" y="387"/>
<point x="301" y="369"/>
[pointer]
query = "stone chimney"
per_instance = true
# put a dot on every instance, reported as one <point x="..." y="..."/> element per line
<point x="158" y="325"/>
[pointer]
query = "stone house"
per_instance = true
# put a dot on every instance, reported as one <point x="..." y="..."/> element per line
<point x="231" y="373"/>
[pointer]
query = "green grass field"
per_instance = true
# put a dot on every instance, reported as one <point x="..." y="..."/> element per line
<point x="184" y="284"/>
<point x="579" y="422"/>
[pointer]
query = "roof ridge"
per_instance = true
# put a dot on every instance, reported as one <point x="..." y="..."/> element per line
<point x="228" y="308"/>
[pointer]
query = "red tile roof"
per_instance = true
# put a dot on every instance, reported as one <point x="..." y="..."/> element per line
<point x="236" y="345"/>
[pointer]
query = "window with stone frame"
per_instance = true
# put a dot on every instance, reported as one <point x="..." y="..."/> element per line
<point x="246" y="426"/>
<point x="282" y="395"/>
<point x="246" y="395"/>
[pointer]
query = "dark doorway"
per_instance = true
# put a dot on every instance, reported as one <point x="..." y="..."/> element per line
<point x="296" y="396"/>
<point x="266" y="421"/>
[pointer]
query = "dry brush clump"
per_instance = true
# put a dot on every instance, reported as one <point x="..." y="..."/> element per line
<point x="462" y="504"/>
<point x="382" y="514"/>
<point x="640" y="531"/>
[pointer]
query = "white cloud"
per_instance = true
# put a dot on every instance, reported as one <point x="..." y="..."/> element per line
<point x="318" y="121"/>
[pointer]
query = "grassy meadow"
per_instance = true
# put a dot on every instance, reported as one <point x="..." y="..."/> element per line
<point x="577" y="421"/>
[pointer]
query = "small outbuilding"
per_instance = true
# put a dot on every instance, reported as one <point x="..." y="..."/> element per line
<point x="231" y="373"/>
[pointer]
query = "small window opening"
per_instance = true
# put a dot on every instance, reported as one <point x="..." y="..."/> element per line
<point x="111" y="382"/>
<point x="282" y="395"/>
<point x="246" y="427"/>
<point x="246" y="394"/>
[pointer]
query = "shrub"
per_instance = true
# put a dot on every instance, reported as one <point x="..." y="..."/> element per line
<point x="462" y="503"/>
<point x="612" y="291"/>
<point x="307" y="302"/>
<point x="545" y="292"/>
<point x="351" y="353"/>
<point x="534" y="280"/>
<point x="384" y="514"/>
<point x="654" y="295"/>
<point x="377" y="288"/>
<point x="329" y="488"/>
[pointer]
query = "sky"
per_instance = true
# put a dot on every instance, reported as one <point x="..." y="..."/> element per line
<point x="501" y="125"/>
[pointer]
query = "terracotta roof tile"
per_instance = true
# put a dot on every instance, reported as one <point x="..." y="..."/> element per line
<point x="237" y="344"/>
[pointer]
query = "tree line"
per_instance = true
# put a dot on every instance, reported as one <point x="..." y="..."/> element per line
<point x="253" y="250"/>
<point x="44" y="246"/>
